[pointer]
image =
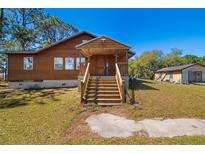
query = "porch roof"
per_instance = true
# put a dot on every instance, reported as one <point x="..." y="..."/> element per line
<point x="102" y="45"/>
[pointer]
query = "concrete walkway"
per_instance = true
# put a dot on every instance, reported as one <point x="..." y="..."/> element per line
<point x="109" y="125"/>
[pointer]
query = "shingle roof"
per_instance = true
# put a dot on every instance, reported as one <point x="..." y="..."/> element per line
<point x="51" y="45"/>
<point x="131" y="53"/>
<point x="175" y="68"/>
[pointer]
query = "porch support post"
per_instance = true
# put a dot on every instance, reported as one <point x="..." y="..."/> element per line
<point x="116" y="57"/>
<point x="88" y="59"/>
<point x="127" y="60"/>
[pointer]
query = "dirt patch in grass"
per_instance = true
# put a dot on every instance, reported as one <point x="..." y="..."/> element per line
<point x="79" y="128"/>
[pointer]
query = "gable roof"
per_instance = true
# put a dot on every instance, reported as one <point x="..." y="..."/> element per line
<point x="101" y="37"/>
<point x="175" y="68"/>
<point x="51" y="45"/>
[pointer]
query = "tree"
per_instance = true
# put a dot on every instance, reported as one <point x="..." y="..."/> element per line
<point x="146" y="64"/>
<point x="54" y="29"/>
<point x="29" y="29"/>
<point x="3" y="64"/>
<point x="1" y="22"/>
<point x="173" y="58"/>
<point x="202" y="60"/>
<point x="190" y="59"/>
<point x="24" y="27"/>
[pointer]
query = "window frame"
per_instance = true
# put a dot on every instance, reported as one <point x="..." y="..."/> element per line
<point x="73" y="68"/>
<point x="24" y="68"/>
<point x="80" y="61"/>
<point x="57" y="69"/>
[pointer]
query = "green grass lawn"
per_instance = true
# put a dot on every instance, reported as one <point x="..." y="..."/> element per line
<point x="55" y="116"/>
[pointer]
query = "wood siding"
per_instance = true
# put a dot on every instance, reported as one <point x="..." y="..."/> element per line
<point x="107" y="43"/>
<point x="43" y="62"/>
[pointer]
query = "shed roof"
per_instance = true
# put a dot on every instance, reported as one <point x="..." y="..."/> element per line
<point x="175" y="68"/>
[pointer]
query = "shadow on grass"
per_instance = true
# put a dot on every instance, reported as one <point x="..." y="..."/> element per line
<point x="143" y="85"/>
<point x="25" y="97"/>
<point x="11" y="103"/>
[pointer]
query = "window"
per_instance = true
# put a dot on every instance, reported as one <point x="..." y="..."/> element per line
<point x="58" y="63"/>
<point x="28" y="63"/>
<point x="78" y="61"/>
<point x="69" y="63"/>
<point x="82" y="59"/>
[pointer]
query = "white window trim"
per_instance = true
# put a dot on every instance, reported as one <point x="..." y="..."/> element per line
<point x="57" y="69"/>
<point x="26" y="69"/>
<point x="73" y="63"/>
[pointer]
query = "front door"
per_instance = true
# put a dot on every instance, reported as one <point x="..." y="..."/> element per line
<point x="101" y="66"/>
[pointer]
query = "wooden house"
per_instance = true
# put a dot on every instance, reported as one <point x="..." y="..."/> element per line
<point x="98" y="64"/>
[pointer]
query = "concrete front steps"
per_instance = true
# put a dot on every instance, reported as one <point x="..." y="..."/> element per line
<point x="103" y="91"/>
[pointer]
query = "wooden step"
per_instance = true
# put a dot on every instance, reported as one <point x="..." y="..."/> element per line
<point x="105" y="82"/>
<point x="102" y="80"/>
<point x="109" y="104"/>
<point x="103" y="95"/>
<point x="102" y="77"/>
<point x="103" y="104"/>
<point x="117" y="96"/>
<point x="103" y="88"/>
<point x="103" y="92"/>
<point x="103" y="100"/>
<point x="102" y="85"/>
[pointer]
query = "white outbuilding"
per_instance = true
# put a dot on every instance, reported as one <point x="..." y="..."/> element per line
<point x="181" y="74"/>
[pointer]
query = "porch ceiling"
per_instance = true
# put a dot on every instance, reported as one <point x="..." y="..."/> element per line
<point x="102" y="46"/>
<point x="101" y="51"/>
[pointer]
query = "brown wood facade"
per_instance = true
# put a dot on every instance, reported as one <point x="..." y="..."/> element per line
<point x="43" y="62"/>
<point x="102" y="60"/>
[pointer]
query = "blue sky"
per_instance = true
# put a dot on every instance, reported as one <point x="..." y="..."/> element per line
<point x="143" y="29"/>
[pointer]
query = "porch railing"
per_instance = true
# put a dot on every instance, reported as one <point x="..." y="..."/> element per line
<point x="84" y="82"/>
<point x="120" y="83"/>
<point x="82" y="69"/>
<point x="123" y="66"/>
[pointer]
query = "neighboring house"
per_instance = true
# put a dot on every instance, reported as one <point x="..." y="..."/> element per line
<point x="182" y="74"/>
<point x="78" y="59"/>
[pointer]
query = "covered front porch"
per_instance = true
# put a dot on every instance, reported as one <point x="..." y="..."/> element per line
<point x="102" y="54"/>
<point x="105" y="58"/>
